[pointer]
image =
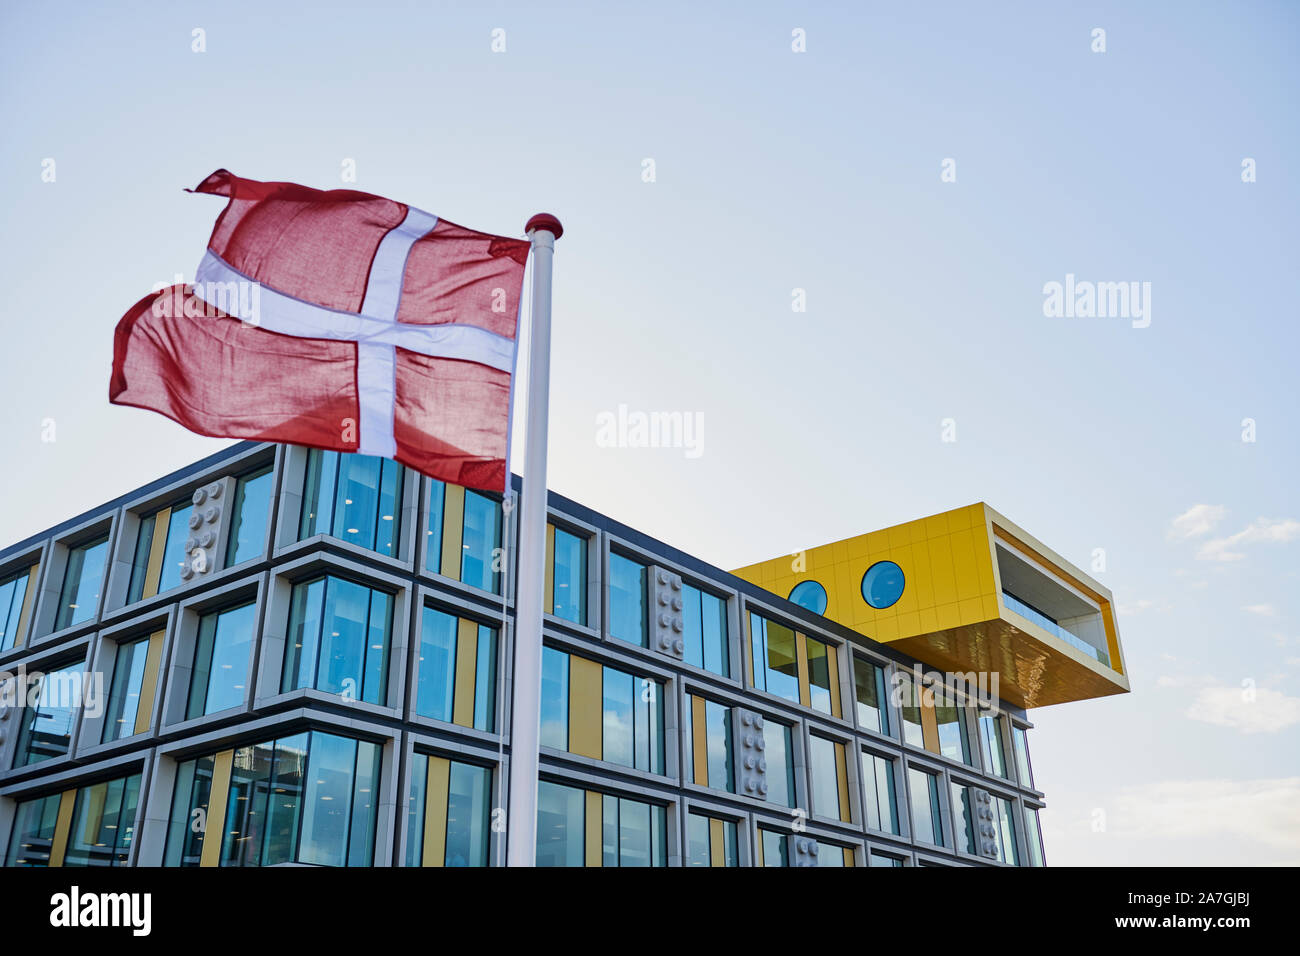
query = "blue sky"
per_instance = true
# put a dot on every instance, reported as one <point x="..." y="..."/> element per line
<point x="776" y="171"/>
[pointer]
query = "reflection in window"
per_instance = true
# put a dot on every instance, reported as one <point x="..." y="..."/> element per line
<point x="773" y="847"/>
<point x="780" y="763"/>
<point x="460" y="793"/>
<point x="632" y="721"/>
<point x="165" y="531"/>
<point x="569" y="580"/>
<point x="776" y="665"/>
<point x="826" y="758"/>
<point x="124" y="695"/>
<point x="632" y="833"/>
<point x="308" y="798"/>
<point x="909" y="708"/>
<point x="951" y="726"/>
<point x="455" y="678"/>
<point x="1020" y="744"/>
<point x="709" y="723"/>
<point x="33" y="832"/>
<point x="627" y="599"/>
<point x="221" y="655"/>
<point x="963" y="823"/>
<point x="13" y="596"/>
<point x="711" y="842"/>
<point x="1005" y="832"/>
<point x="249" y="515"/>
<point x="882" y="802"/>
<point x="82" y="579"/>
<point x="995" y="755"/>
<point x="869" y="683"/>
<point x="481" y="542"/>
<point x="885" y="859"/>
<point x="704" y="619"/>
<point x="338" y="639"/>
<point x="561" y="825"/>
<point x="1034" y="837"/>
<point x="821" y="673"/>
<point x="356" y="498"/>
<point x="47" y="726"/>
<point x="103" y="823"/>
<point x="927" y="825"/>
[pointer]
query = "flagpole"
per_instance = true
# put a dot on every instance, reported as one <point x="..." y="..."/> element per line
<point x="525" y="731"/>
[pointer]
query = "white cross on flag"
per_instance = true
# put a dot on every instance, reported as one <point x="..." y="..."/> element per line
<point x="340" y="320"/>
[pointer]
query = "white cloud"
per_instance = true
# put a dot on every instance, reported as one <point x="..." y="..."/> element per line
<point x="1196" y="520"/>
<point x="1272" y="530"/>
<point x="1263" y="610"/>
<point x="1185" y="680"/>
<point x="1256" y="710"/>
<point x="1265" y="811"/>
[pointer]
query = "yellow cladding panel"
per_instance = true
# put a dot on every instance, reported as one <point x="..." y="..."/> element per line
<point x="833" y="667"/>
<point x="25" y="615"/>
<point x="586" y="693"/>
<point x="437" y="784"/>
<point x="214" y="827"/>
<point x="592" y="841"/>
<point x="699" y="742"/>
<point x="462" y="708"/>
<point x="548" y="592"/>
<point x="62" y="826"/>
<point x="149" y="683"/>
<point x="453" y="531"/>
<point x="842" y="775"/>
<point x="717" y="843"/>
<point x="153" y="570"/>
<point x="801" y="665"/>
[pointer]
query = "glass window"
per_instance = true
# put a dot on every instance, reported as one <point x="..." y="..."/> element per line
<point x="82" y="579"/>
<point x="308" y="798"/>
<point x="172" y="526"/>
<point x="561" y="825"/>
<point x="951" y="725"/>
<point x="416" y="807"/>
<point x="963" y="823"/>
<point x="1034" y="837"/>
<point x="124" y="695"/>
<point x="433" y="533"/>
<point x="13" y="594"/>
<point x="633" y="833"/>
<point x="909" y="708"/>
<point x="33" y="831"/>
<point x="1005" y="832"/>
<point x="882" y="585"/>
<point x="832" y="854"/>
<point x="249" y="516"/>
<point x="995" y="756"/>
<point x="704" y="620"/>
<point x="468" y="813"/>
<point x="776" y="667"/>
<point x="821" y="672"/>
<point x="339" y="635"/>
<point x="780" y="763"/>
<point x="444" y="672"/>
<point x="627" y="599"/>
<point x="569" y="588"/>
<point x="481" y="542"/>
<point x="927" y="825"/>
<point x="882" y="802"/>
<point x="717" y="762"/>
<point x="103" y="823"/>
<point x="711" y="842"/>
<point x="555" y="699"/>
<point x="616" y="711"/>
<point x="356" y="498"/>
<point x="869" y="682"/>
<point x="811" y="595"/>
<point x="47" y="727"/>
<point x="1020" y="744"/>
<point x="221" y="656"/>
<point x="773" y="847"/>
<point x="885" y="859"/>
<point x="825" y="774"/>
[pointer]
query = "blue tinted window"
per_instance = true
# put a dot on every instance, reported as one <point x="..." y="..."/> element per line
<point x="33" y="831"/>
<point x="433" y="533"/>
<point x="926" y="822"/>
<point x="468" y="794"/>
<point x="435" y="676"/>
<point x="882" y="802"/>
<point x="569" y="594"/>
<point x="882" y="585"/>
<point x="124" y="697"/>
<point x="339" y="637"/>
<point x="811" y="595"/>
<point x="482" y="538"/>
<point x="82" y="579"/>
<point x="776" y="666"/>
<point x="555" y="699"/>
<point x="780" y="763"/>
<point x="869" y="684"/>
<point x="250" y="513"/>
<point x="13" y="591"/>
<point x="103" y="823"/>
<point x="47" y="727"/>
<point x="825" y="778"/>
<point x="221" y="656"/>
<point x="356" y="498"/>
<point x="774" y="847"/>
<point x="627" y="603"/>
<point x="704" y="619"/>
<point x="175" y="555"/>
<point x="561" y="825"/>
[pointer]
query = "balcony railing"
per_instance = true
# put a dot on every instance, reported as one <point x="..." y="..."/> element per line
<point x="1014" y="603"/>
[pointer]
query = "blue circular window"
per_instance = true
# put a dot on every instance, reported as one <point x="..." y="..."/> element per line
<point x="882" y="585"/>
<point x="811" y="595"/>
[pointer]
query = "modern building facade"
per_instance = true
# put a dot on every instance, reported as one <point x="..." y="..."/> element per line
<point x="286" y="656"/>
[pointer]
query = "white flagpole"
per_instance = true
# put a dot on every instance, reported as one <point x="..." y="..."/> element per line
<point x="525" y="731"/>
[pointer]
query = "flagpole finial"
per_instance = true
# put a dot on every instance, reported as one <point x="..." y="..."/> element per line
<point x="544" y="220"/>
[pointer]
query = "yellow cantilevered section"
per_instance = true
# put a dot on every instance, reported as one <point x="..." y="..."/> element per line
<point x="978" y="594"/>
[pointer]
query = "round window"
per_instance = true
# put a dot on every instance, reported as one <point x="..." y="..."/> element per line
<point x="811" y="595"/>
<point x="882" y="585"/>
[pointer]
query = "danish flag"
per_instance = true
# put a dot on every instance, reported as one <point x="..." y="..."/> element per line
<point x="340" y="320"/>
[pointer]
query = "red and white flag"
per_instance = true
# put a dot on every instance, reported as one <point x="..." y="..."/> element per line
<point x="340" y="320"/>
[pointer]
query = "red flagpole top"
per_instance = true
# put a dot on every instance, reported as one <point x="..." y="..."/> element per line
<point x="544" y="220"/>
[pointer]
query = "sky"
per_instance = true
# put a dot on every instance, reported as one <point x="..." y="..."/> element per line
<point x="832" y="258"/>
